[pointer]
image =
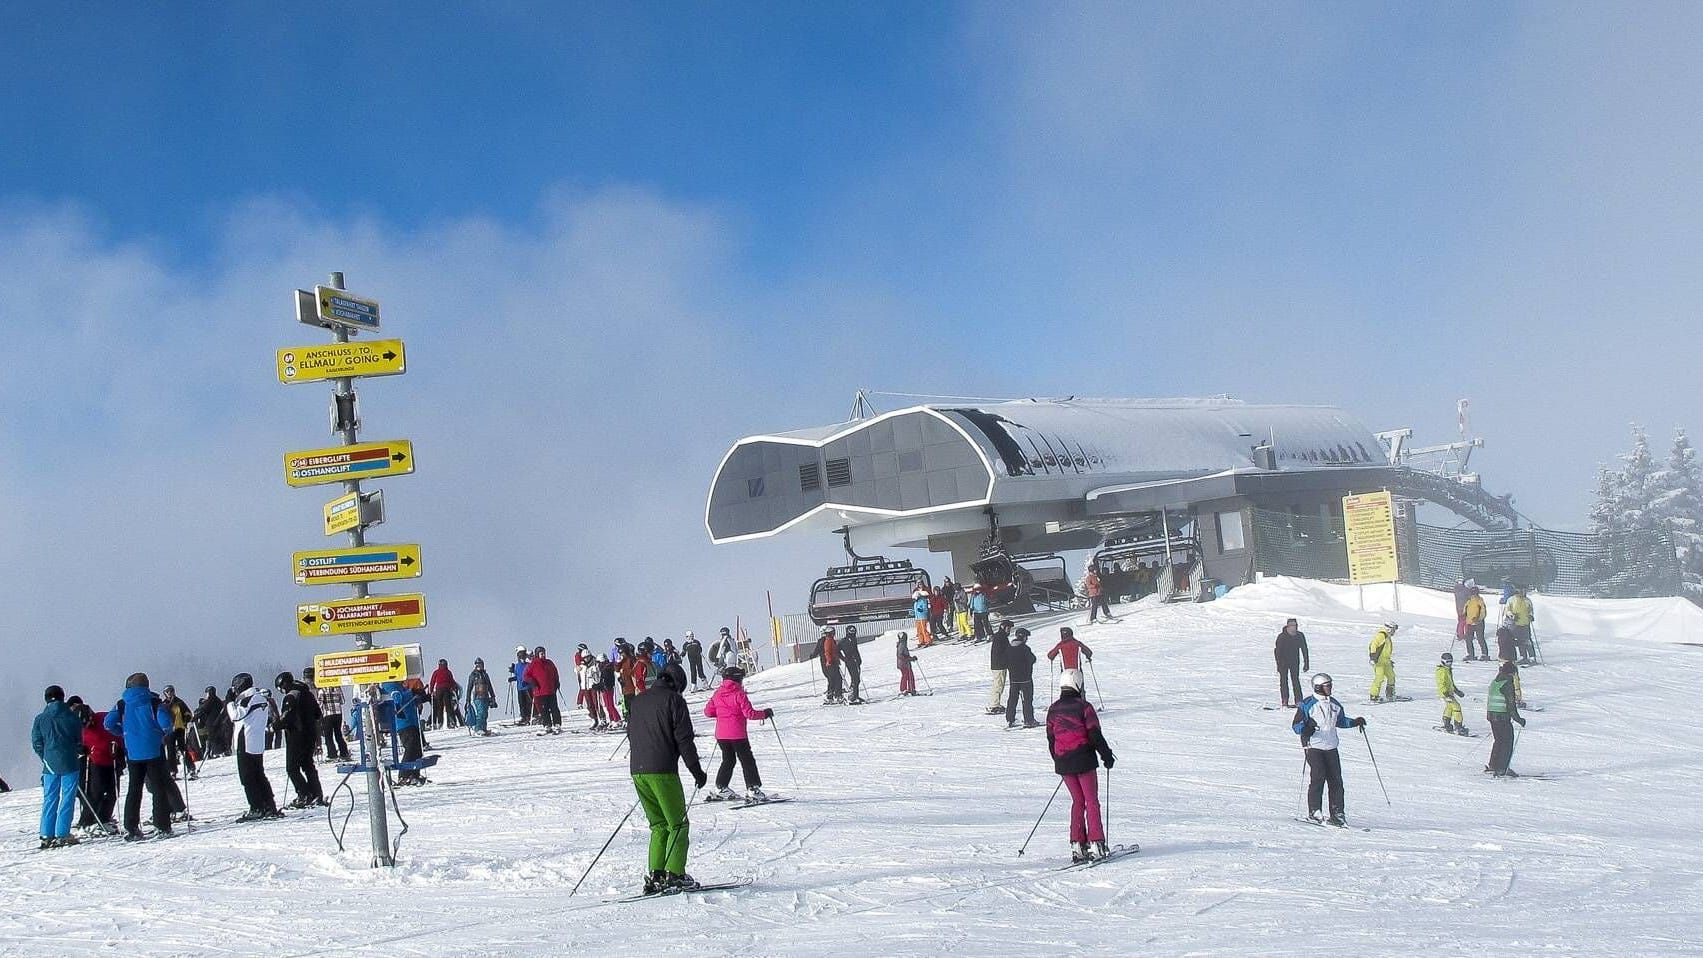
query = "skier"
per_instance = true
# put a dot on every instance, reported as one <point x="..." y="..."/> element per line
<point x="1474" y="614"/>
<point x="143" y="722"/>
<point x="907" y="679"/>
<point x="299" y="717"/>
<point x="1451" y="695"/>
<point x="104" y="750"/>
<point x="251" y="711"/>
<point x="177" y="746"/>
<point x="979" y="612"/>
<point x="659" y="731"/>
<point x="405" y="705"/>
<point x="999" y="651"/>
<point x="937" y="613"/>
<point x="1074" y="740"/>
<point x="57" y="738"/>
<point x="582" y="658"/>
<point x="522" y="691"/>
<point x="587" y="673"/>
<point x="1317" y="719"/>
<point x="694" y="651"/>
<point x="1502" y="711"/>
<point x="731" y="708"/>
<point x="961" y="611"/>
<point x="1096" y="592"/>
<point x="1521" y="614"/>
<point x="625" y="668"/>
<point x="606" y="682"/>
<point x="919" y="616"/>
<point x="544" y="679"/>
<point x="827" y="654"/>
<point x="1020" y="663"/>
<point x="481" y="695"/>
<point x="852" y="658"/>
<point x="1071" y="648"/>
<point x="1463" y="589"/>
<point x="443" y="694"/>
<point x="720" y="649"/>
<point x="1381" y="652"/>
<point x="330" y="701"/>
<point x="1292" y="659"/>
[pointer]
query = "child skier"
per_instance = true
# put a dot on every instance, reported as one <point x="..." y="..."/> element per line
<point x="731" y="708"/>
<point x="1316" y="720"/>
<point x="1381" y="651"/>
<point x="1074" y="740"/>
<point x="907" y="679"/>
<point x="1451" y="695"/>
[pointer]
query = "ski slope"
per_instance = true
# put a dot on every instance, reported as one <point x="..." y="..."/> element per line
<point x="903" y="832"/>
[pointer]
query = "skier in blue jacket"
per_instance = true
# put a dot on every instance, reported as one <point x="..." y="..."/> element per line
<point x="407" y="729"/>
<point x="57" y="737"/>
<point x="522" y="688"/>
<point x="143" y="721"/>
<point x="1316" y="720"/>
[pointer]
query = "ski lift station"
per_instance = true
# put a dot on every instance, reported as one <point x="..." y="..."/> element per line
<point x="1164" y="489"/>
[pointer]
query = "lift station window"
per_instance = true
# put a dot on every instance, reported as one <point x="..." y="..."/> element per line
<point x="839" y="473"/>
<point x="809" y="477"/>
<point x="754" y="487"/>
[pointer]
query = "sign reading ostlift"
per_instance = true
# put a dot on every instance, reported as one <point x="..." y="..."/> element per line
<point x="378" y="613"/>
<point x="305" y="364"/>
<point x="363" y="666"/>
<point x="364" y="460"/>
<point x="356" y="564"/>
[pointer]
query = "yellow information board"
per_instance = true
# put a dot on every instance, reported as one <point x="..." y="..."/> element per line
<point x="378" y="613"/>
<point x="356" y="564"/>
<point x="362" y="666"/>
<point x="306" y="364"/>
<point x="363" y="460"/>
<point x="1369" y="522"/>
<point x="343" y="513"/>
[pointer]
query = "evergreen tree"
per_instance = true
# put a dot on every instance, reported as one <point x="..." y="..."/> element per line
<point x="1631" y="558"/>
<point x="1601" y="566"/>
<point x="1678" y="502"/>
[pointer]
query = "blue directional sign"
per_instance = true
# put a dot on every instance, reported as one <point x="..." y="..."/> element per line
<point x="339" y="308"/>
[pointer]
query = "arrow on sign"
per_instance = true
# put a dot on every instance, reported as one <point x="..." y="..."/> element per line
<point x="309" y="619"/>
<point x="387" y="354"/>
<point x="407" y="560"/>
<point x="397" y="457"/>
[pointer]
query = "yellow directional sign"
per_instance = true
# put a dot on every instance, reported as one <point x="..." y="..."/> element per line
<point x="378" y="613"/>
<point x="365" y="460"/>
<point x="356" y="564"/>
<point x="305" y="364"/>
<point x="343" y="513"/>
<point x="364" y="667"/>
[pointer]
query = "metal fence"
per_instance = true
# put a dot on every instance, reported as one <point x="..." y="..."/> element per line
<point x="1638" y="564"/>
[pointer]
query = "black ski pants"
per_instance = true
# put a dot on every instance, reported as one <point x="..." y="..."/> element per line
<point x="251" y="772"/>
<point x="331" y="730"/>
<point x="1502" y="748"/>
<point x="696" y="663"/>
<point x="549" y="713"/>
<point x="298" y="764"/>
<point x="740" y="749"/>
<point x="979" y="621"/>
<point x="854" y="673"/>
<point x="1324" y="766"/>
<point x="411" y="751"/>
<point x="102" y="793"/>
<point x="1098" y="605"/>
<point x="1475" y="631"/>
<point x="836" y="685"/>
<point x="176" y="751"/>
<point x="1289" y="682"/>
<point x="441" y="708"/>
<point x="155" y="774"/>
<point x="1025" y="690"/>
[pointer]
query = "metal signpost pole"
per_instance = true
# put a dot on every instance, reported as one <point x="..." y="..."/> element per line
<point x="343" y="409"/>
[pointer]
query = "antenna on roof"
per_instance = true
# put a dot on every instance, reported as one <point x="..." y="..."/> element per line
<point x="862" y="408"/>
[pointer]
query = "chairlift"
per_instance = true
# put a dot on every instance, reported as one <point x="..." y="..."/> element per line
<point x="871" y="589"/>
<point x="1004" y="582"/>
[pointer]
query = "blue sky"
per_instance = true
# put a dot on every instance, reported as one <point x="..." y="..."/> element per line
<point x="617" y="237"/>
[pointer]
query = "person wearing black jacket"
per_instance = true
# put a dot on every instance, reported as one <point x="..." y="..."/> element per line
<point x="1020" y="666"/>
<point x="1292" y="660"/>
<point x="852" y="659"/>
<point x="659" y="736"/>
<point x="694" y="652"/>
<point x="299" y="718"/>
<point x="212" y="725"/>
<point x="999" y="648"/>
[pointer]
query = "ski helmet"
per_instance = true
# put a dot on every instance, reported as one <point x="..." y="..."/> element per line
<point x="733" y="672"/>
<point x="1448" y="658"/>
<point x="826" y="630"/>
<point x="538" y="651"/>
<point x="520" y="650"/>
<point x="1021" y="635"/>
<point x="307" y="674"/>
<point x="1067" y="633"/>
<point x="478" y="663"/>
<point x="1321" y="682"/>
<point x="1391" y="626"/>
<point x="851" y="631"/>
<point x="726" y="631"/>
<point x="283" y="682"/>
<point x="241" y="682"/>
<point x="1072" y="679"/>
<point x="690" y="635"/>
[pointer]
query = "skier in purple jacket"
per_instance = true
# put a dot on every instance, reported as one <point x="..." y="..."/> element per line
<point x="1074" y="741"/>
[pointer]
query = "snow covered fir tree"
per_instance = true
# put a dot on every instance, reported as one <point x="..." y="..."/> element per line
<point x="1640" y="501"/>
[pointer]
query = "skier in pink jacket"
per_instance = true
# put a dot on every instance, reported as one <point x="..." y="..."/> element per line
<point x="731" y="708"/>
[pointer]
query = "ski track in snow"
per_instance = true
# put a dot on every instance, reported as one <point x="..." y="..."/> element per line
<point x="902" y="838"/>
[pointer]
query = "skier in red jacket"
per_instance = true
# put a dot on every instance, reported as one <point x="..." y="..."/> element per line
<point x="541" y="674"/>
<point x="1072" y="649"/>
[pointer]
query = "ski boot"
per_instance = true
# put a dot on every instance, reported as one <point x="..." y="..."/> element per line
<point x="135" y="836"/>
<point x="1338" y="820"/>
<point x="1031" y="725"/>
<point x="655" y="881"/>
<point x="48" y="843"/>
<point x="1448" y="726"/>
<point x="754" y="795"/>
<point x="723" y="794"/>
<point x="996" y="711"/>
<point x="1079" y="853"/>
<point x="680" y="882"/>
<point x="1460" y="729"/>
<point x="1100" y="849"/>
<point x="1318" y="818"/>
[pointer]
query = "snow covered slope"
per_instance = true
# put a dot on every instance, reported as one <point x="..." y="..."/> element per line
<point x="903" y="834"/>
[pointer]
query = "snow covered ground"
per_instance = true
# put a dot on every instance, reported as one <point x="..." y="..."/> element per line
<point x="902" y="839"/>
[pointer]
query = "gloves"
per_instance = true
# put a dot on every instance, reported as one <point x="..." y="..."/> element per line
<point x="1360" y="722"/>
<point x="1372" y="657"/>
<point x="1110" y="759"/>
<point x="1309" y="727"/>
<point x="1521" y="721"/>
<point x="768" y="713"/>
<point x="699" y="778"/>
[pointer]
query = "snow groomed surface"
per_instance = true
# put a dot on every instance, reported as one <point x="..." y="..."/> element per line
<point x="902" y="833"/>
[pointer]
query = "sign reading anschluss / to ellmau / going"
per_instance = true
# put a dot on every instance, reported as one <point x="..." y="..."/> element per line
<point x="377" y="613"/>
<point x="305" y="364"/>
<point x="363" y="460"/>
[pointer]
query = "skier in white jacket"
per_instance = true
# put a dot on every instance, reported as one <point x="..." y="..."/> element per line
<point x="1317" y="719"/>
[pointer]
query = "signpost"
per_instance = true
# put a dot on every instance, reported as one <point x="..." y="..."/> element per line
<point x="357" y="564"/>
<point x="360" y="616"/>
<point x="356" y="461"/>
<point x="1369" y="522"/>
<point x="365" y="667"/>
<point x="306" y="364"/>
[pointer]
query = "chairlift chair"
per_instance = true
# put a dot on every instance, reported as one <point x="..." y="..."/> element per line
<point x="871" y="589"/>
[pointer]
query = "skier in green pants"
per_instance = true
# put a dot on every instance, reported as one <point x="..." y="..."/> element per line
<point x="659" y="730"/>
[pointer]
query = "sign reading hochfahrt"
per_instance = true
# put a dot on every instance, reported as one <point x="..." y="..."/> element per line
<point x="1369" y="522"/>
<point x="378" y="613"/>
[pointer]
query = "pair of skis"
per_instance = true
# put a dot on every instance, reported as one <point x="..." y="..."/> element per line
<point x="674" y="892"/>
<point x="1113" y="854"/>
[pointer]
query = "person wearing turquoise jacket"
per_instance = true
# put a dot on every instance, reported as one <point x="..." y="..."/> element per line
<point x="407" y="706"/>
<point x="979" y="612"/>
<point x="57" y="738"/>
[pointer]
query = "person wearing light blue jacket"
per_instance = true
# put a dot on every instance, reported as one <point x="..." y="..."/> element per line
<point x="1316" y="720"/>
<point x="57" y="737"/>
<point x="407" y="729"/>
<point x="979" y="613"/>
<point x="143" y="721"/>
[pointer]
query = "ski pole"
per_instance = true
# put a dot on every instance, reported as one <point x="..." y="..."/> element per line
<point x="926" y="685"/>
<point x="1368" y="740"/>
<point x="605" y="847"/>
<point x="618" y="749"/>
<point x="1304" y="809"/>
<point x="1037" y="827"/>
<point x="1106" y="810"/>
<point x="1097" y="693"/>
<point x="84" y="796"/>
<point x="784" y="755"/>
<point x="1052" y="669"/>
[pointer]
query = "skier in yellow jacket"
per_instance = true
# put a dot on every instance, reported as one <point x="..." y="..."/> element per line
<point x="1382" y="655"/>
<point x="1451" y="695"/>
<point x="1475" y="613"/>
